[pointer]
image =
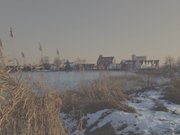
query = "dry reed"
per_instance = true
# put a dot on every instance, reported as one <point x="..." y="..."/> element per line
<point x="101" y="94"/>
<point x="172" y="93"/>
<point x="23" y="112"/>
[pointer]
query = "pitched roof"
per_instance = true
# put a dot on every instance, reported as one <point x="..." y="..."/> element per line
<point x="105" y="58"/>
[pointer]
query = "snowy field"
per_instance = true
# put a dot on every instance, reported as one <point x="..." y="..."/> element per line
<point x="146" y="120"/>
<point x="70" y="80"/>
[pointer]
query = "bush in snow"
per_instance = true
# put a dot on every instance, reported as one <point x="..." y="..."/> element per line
<point x="101" y="94"/>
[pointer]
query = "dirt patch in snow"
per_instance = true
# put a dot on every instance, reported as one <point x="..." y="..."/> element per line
<point x="107" y="129"/>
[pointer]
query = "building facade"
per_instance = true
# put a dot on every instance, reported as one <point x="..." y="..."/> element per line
<point x="104" y="62"/>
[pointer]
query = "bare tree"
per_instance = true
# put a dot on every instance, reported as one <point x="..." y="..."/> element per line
<point x="178" y="62"/>
<point x="45" y="62"/>
<point x="80" y="61"/>
<point x="169" y="62"/>
<point x="57" y="63"/>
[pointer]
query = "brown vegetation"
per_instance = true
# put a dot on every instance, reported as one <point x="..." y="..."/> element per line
<point x="172" y="93"/>
<point x="107" y="129"/>
<point x="159" y="107"/>
<point x="24" y="113"/>
<point x="101" y="94"/>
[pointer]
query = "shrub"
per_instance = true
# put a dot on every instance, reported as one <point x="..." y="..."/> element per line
<point x="172" y="93"/>
<point x="100" y="94"/>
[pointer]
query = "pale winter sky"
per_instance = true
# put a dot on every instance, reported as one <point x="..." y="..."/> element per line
<point x="87" y="28"/>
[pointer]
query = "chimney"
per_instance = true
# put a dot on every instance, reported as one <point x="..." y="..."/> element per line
<point x="100" y="56"/>
<point x="133" y="57"/>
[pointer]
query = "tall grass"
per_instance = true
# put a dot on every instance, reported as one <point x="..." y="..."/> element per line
<point x="172" y="93"/>
<point x="101" y="94"/>
<point x="23" y="112"/>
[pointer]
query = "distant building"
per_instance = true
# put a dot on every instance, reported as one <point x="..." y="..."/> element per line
<point x="114" y="67"/>
<point x="139" y="63"/>
<point x="104" y="62"/>
<point x="149" y="64"/>
<point x="128" y="65"/>
<point x="82" y="67"/>
<point x="138" y="58"/>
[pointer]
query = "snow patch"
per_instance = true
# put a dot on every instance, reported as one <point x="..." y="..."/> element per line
<point x="145" y="121"/>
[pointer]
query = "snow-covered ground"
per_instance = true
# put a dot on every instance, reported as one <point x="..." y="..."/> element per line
<point x="145" y="121"/>
<point x="70" y="80"/>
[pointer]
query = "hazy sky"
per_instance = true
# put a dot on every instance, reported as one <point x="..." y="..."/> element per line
<point x="87" y="28"/>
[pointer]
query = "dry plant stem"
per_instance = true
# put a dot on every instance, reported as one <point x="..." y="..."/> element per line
<point x="23" y="112"/>
<point x="101" y="94"/>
